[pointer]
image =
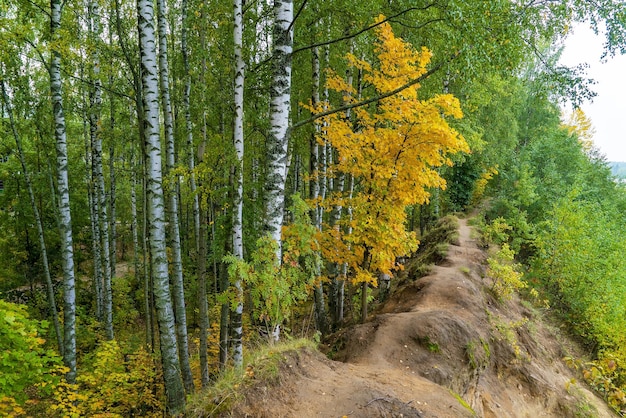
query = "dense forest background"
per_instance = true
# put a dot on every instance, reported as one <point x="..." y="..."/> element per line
<point x="179" y="177"/>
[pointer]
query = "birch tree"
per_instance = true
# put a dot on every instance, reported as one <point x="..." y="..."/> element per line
<point x="40" y="234"/>
<point x="189" y="122"/>
<point x="95" y="129"/>
<point x="315" y="188"/>
<point x="178" y="290"/>
<point x="156" y="209"/>
<point x="280" y="106"/>
<point x="238" y="196"/>
<point x="65" y="216"/>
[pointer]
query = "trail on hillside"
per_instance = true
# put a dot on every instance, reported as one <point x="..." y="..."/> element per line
<point x="440" y="346"/>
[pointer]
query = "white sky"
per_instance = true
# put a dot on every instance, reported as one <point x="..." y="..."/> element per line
<point x="608" y="109"/>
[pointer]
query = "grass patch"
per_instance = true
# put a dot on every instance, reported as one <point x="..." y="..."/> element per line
<point x="582" y="409"/>
<point x="262" y="364"/>
<point x="478" y="354"/>
<point x="427" y="343"/>
<point x="463" y="403"/>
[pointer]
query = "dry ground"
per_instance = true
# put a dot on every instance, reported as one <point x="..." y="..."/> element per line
<point x="441" y="346"/>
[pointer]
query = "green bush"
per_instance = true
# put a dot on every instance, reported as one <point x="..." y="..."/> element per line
<point x="504" y="272"/>
<point x="24" y="362"/>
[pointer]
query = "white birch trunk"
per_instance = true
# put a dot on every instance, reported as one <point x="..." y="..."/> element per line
<point x="112" y="204"/>
<point x="338" y="282"/>
<point x="93" y="214"/>
<point x="112" y="174"/>
<point x="315" y="195"/>
<point x="203" y="306"/>
<point x="65" y="217"/>
<point x="42" y="242"/>
<point x="174" y="389"/>
<point x="238" y="197"/>
<point x="280" y="106"/>
<point x="189" y="126"/>
<point x="172" y="204"/>
<point x="135" y="233"/>
<point x="95" y="123"/>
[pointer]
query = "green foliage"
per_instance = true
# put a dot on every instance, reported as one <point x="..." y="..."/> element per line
<point x="497" y="231"/>
<point x="504" y="273"/>
<point x="605" y="375"/>
<point x="507" y="331"/>
<point x="427" y="343"/>
<point x="589" y="235"/>
<point x="357" y="299"/>
<point x="276" y="287"/>
<point x="124" y="307"/>
<point x="24" y="362"/>
<point x="463" y="402"/>
<point x="462" y="182"/>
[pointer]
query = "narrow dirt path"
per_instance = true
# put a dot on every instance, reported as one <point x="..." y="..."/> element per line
<point x="431" y="351"/>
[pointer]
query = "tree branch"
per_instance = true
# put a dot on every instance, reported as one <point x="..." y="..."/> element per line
<point x="363" y="30"/>
<point x="40" y="8"/>
<point x="297" y="15"/>
<point x="375" y="98"/>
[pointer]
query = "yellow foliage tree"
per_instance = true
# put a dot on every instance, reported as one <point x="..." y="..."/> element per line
<point x="579" y="123"/>
<point x="391" y="149"/>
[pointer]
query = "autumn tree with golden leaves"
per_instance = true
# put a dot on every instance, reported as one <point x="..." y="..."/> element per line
<point x="392" y="149"/>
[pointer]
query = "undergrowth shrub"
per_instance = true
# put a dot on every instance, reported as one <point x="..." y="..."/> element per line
<point x="114" y="383"/>
<point x="606" y="376"/>
<point x="507" y="331"/>
<point x="27" y="368"/>
<point x="504" y="272"/>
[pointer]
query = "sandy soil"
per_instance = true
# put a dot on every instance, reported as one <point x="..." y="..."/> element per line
<point x="440" y="346"/>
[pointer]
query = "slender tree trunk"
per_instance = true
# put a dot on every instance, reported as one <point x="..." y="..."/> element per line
<point x="112" y="203"/>
<point x="112" y="173"/>
<point x="344" y="267"/>
<point x="189" y="126"/>
<point x="42" y="243"/>
<point x="174" y="389"/>
<point x="178" y="290"/>
<point x="93" y="214"/>
<point x="95" y="123"/>
<point x="134" y="230"/>
<point x="280" y="106"/>
<point x="65" y="217"/>
<point x="314" y="193"/>
<point x="237" y="234"/>
<point x="203" y="305"/>
<point x="365" y="286"/>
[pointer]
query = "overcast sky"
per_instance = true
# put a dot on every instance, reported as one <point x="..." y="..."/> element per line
<point x="608" y="109"/>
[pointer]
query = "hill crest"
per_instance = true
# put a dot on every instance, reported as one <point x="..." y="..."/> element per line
<point x="440" y="346"/>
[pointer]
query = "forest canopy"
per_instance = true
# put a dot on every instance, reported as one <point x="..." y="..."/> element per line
<point x="178" y="178"/>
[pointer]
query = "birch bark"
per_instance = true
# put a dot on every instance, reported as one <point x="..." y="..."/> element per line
<point x="189" y="125"/>
<point x="65" y="217"/>
<point x="156" y="210"/>
<point x="280" y="106"/>
<point x="316" y="169"/>
<point x="178" y="290"/>
<point x="237" y="235"/>
<point x="42" y="242"/>
<point x="95" y="125"/>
